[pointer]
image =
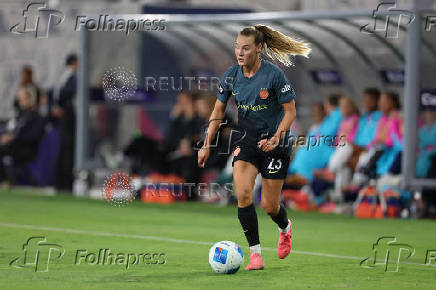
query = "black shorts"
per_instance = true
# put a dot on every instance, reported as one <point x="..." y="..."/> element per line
<point x="271" y="165"/>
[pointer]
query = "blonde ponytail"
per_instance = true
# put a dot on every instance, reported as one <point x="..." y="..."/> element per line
<point x="276" y="45"/>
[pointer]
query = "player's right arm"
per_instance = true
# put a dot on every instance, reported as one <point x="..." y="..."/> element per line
<point x="216" y="117"/>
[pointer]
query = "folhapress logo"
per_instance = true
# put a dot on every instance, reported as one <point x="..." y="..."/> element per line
<point x="38" y="254"/>
<point x="37" y="19"/>
<point x="386" y="14"/>
<point x="388" y="253"/>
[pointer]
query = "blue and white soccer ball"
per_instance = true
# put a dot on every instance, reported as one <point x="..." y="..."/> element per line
<point x="226" y="257"/>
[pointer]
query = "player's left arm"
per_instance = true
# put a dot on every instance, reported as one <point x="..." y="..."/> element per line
<point x="290" y="113"/>
<point x="285" y="94"/>
<point x="289" y="116"/>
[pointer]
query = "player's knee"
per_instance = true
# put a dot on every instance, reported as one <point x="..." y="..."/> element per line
<point x="270" y="207"/>
<point x="244" y="197"/>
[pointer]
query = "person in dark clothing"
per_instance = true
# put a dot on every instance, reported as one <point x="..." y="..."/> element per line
<point x="174" y="154"/>
<point x="266" y="110"/>
<point x="182" y="124"/>
<point x="26" y="79"/>
<point x="21" y="143"/>
<point x="179" y="157"/>
<point x="63" y="112"/>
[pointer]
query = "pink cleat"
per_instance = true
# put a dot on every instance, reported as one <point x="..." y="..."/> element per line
<point x="256" y="262"/>
<point x="285" y="243"/>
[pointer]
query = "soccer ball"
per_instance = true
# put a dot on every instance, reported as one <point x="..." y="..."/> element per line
<point x="226" y="257"/>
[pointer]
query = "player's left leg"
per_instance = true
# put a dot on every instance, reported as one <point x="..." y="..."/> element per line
<point x="271" y="191"/>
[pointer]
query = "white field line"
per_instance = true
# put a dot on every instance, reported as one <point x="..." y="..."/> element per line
<point x="170" y="240"/>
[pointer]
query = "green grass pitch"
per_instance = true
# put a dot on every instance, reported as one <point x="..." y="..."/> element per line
<point x="327" y="249"/>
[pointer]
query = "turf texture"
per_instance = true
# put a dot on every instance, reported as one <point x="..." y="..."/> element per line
<point x="176" y="238"/>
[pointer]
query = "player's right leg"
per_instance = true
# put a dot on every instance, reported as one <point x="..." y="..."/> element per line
<point x="244" y="175"/>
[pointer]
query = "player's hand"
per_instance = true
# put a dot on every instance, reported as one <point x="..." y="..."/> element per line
<point x="203" y="155"/>
<point x="268" y="144"/>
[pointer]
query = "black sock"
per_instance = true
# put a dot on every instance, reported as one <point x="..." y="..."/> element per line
<point x="281" y="219"/>
<point x="248" y="219"/>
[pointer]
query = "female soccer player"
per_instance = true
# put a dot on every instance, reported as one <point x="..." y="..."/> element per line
<point x="266" y="110"/>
